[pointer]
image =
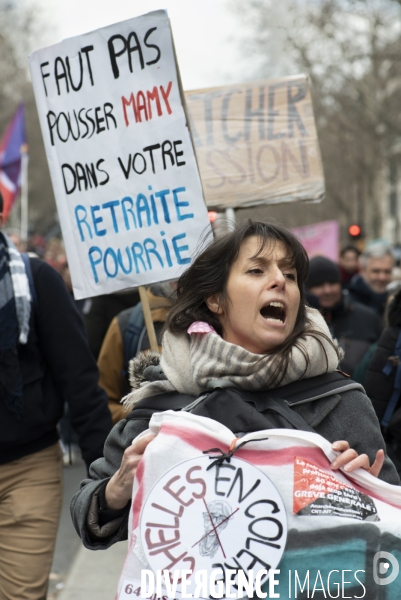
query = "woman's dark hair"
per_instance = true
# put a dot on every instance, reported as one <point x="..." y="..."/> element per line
<point x="208" y="275"/>
<point x="350" y="248"/>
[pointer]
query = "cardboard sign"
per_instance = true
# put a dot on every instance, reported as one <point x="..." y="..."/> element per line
<point x="320" y="239"/>
<point x="256" y="143"/>
<point x="120" y="154"/>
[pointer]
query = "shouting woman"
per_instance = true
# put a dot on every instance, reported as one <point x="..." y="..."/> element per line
<point x="238" y="341"/>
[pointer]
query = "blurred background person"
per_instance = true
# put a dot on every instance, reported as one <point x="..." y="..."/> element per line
<point x="126" y="337"/>
<point x="383" y="380"/>
<point x="98" y="312"/>
<point x="348" y="264"/>
<point x="369" y="287"/>
<point x="15" y="237"/>
<point x="66" y="275"/>
<point x="355" y="326"/>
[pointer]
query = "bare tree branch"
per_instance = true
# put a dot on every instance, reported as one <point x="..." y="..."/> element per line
<point x="351" y="50"/>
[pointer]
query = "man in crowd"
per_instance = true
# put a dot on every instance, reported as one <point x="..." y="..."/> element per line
<point x="369" y="287"/>
<point x="355" y="326"/>
<point x="44" y="361"/>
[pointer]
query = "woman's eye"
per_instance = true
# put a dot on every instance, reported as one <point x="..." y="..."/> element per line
<point x="291" y="276"/>
<point x="255" y="270"/>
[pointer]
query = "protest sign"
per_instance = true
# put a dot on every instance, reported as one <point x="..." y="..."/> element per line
<point x="256" y="143"/>
<point x="124" y="173"/>
<point x="208" y="507"/>
<point x="320" y="239"/>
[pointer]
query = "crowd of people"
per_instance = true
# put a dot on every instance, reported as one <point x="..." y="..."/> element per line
<point x="246" y="306"/>
<point x="360" y="299"/>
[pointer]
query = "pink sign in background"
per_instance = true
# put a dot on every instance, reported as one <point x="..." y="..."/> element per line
<point x="320" y="239"/>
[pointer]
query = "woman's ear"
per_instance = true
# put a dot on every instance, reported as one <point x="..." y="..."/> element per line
<point x="213" y="304"/>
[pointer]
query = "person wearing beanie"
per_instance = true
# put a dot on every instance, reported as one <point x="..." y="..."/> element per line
<point x="355" y="326"/>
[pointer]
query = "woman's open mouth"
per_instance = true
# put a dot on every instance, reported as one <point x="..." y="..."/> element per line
<point x="274" y="312"/>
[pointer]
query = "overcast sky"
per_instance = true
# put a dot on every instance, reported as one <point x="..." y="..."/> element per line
<point x="206" y="33"/>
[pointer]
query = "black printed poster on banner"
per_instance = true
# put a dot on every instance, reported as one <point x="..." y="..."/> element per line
<point x="317" y="493"/>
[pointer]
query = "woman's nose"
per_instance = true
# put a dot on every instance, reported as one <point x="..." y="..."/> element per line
<point x="277" y="278"/>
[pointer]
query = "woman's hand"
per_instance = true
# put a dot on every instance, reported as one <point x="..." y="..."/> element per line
<point x="119" y="489"/>
<point x="350" y="460"/>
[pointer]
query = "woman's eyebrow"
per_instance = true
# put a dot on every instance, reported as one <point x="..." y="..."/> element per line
<point x="259" y="259"/>
<point x="286" y="261"/>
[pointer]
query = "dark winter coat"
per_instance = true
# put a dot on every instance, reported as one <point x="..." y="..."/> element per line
<point x="362" y="293"/>
<point x="379" y="386"/>
<point x="356" y="327"/>
<point x="346" y="277"/>
<point x="98" y="313"/>
<point x="57" y="366"/>
<point x="348" y="415"/>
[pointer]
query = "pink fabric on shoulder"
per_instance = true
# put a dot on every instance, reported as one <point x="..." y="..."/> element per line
<point x="200" y="327"/>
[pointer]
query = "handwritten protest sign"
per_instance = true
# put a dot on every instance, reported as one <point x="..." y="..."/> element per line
<point x="120" y="154"/>
<point x="256" y="143"/>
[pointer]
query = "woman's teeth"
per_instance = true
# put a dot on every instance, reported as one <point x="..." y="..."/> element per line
<point x="273" y="312"/>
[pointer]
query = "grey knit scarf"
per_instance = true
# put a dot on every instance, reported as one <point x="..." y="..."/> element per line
<point x="190" y="361"/>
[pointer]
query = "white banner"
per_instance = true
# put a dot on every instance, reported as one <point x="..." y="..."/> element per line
<point x="124" y="173"/>
<point x="274" y="510"/>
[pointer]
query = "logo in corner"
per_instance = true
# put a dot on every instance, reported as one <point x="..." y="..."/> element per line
<point x="381" y="565"/>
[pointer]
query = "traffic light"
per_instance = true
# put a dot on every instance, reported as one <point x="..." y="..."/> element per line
<point x="212" y="214"/>
<point x="355" y="231"/>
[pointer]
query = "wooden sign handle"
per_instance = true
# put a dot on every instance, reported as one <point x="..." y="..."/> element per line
<point x="148" y="319"/>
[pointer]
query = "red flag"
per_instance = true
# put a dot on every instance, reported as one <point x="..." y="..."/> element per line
<point x="12" y="148"/>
